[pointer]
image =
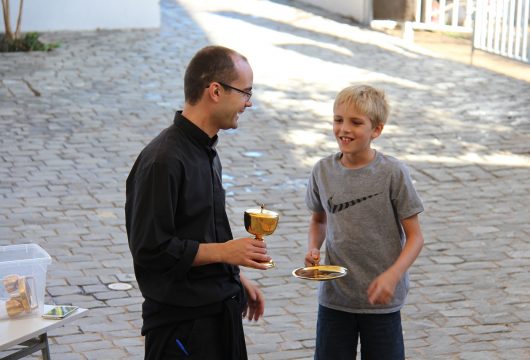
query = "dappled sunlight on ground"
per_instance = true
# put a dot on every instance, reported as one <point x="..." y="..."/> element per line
<point x="301" y="60"/>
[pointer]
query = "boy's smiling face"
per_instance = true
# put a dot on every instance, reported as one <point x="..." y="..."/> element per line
<point x="353" y="131"/>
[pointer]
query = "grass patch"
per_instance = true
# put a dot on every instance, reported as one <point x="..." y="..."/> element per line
<point x="29" y="42"/>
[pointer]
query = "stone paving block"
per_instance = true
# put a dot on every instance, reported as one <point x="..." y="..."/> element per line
<point x="129" y="316"/>
<point x="290" y="354"/>
<point x="56" y="272"/>
<point x="83" y="280"/>
<point x="106" y="353"/>
<point x="127" y="343"/>
<point x="292" y="345"/>
<point x="135" y="352"/>
<point x="59" y="349"/>
<point x="85" y="346"/>
<point x="90" y="289"/>
<point x="69" y="330"/>
<point x="125" y="301"/>
<point x="492" y="318"/>
<point x="67" y="356"/>
<point x="299" y="335"/>
<point x="104" y="327"/>
<point x="108" y="295"/>
<point x="265" y="339"/>
<point x="76" y="338"/>
<point x="62" y="290"/>
<point x="488" y="329"/>
<point x="515" y="354"/>
<point x="107" y="279"/>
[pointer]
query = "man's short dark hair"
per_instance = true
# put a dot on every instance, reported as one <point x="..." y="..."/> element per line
<point x="211" y="63"/>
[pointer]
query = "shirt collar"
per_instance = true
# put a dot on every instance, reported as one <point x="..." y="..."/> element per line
<point x="194" y="131"/>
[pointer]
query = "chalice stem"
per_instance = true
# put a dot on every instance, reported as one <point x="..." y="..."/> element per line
<point x="270" y="263"/>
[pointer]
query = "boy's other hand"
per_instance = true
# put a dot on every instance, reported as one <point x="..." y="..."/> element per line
<point x="381" y="290"/>
<point x="312" y="258"/>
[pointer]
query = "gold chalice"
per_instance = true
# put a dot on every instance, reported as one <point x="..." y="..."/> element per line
<point x="261" y="222"/>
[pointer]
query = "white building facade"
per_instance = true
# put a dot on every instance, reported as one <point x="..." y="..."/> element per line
<point x="58" y="15"/>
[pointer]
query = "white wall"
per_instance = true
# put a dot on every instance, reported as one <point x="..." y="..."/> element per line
<point x="54" y="15"/>
<point x="359" y="10"/>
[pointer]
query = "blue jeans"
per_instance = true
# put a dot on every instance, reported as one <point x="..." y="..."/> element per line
<point x="338" y="333"/>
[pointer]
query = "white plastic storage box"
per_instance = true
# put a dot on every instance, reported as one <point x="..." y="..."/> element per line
<point x="22" y="280"/>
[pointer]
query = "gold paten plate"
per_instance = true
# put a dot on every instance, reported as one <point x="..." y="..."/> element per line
<point x="320" y="272"/>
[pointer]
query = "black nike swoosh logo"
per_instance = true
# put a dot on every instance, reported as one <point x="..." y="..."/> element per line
<point x="335" y="208"/>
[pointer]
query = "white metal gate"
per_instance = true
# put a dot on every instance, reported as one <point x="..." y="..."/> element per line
<point x="444" y="15"/>
<point x="500" y="26"/>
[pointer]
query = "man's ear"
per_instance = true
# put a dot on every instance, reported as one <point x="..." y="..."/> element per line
<point x="213" y="91"/>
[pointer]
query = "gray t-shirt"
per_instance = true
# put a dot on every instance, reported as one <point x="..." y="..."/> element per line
<point x="364" y="208"/>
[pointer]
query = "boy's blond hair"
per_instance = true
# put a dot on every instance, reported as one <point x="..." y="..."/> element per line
<point x="367" y="100"/>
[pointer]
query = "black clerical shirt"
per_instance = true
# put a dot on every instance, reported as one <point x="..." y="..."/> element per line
<point x="174" y="202"/>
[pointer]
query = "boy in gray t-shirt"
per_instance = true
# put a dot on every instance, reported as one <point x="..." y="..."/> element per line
<point x="366" y="208"/>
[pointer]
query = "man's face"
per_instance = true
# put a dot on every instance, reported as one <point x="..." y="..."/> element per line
<point x="235" y="102"/>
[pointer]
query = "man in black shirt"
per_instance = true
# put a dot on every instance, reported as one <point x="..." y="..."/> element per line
<point x="185" y="258"/>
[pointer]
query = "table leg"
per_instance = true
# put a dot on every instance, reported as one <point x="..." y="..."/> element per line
<point x="45" y="347"/>
<point x="31" y="346"/>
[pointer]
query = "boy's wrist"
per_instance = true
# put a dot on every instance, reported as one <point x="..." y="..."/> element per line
<point x="395" y="273"/>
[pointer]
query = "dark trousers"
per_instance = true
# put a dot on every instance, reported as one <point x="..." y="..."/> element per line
<point x="338" y="333"/>
<point x="218" y="337"/>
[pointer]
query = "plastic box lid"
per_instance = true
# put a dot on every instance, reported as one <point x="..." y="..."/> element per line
<point x="23" y="253"/>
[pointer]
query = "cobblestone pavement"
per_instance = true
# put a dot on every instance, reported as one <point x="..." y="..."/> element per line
<point x="463" y="131"/>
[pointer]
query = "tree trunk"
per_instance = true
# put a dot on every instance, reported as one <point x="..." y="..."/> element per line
<point x="7" y="22"/>
<point x="19" y="20"/>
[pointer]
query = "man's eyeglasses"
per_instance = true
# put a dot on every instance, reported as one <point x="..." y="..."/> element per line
<point x="247" y="94"/>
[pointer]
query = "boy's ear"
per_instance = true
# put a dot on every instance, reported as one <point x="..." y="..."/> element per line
<point x="377" y="131"/>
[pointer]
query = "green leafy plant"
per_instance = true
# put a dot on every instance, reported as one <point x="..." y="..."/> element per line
<point x="29" y="42"/>
<point x="13" y="40"/>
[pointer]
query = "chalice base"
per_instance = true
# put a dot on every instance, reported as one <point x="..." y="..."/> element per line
<point x="270" y="264"/>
